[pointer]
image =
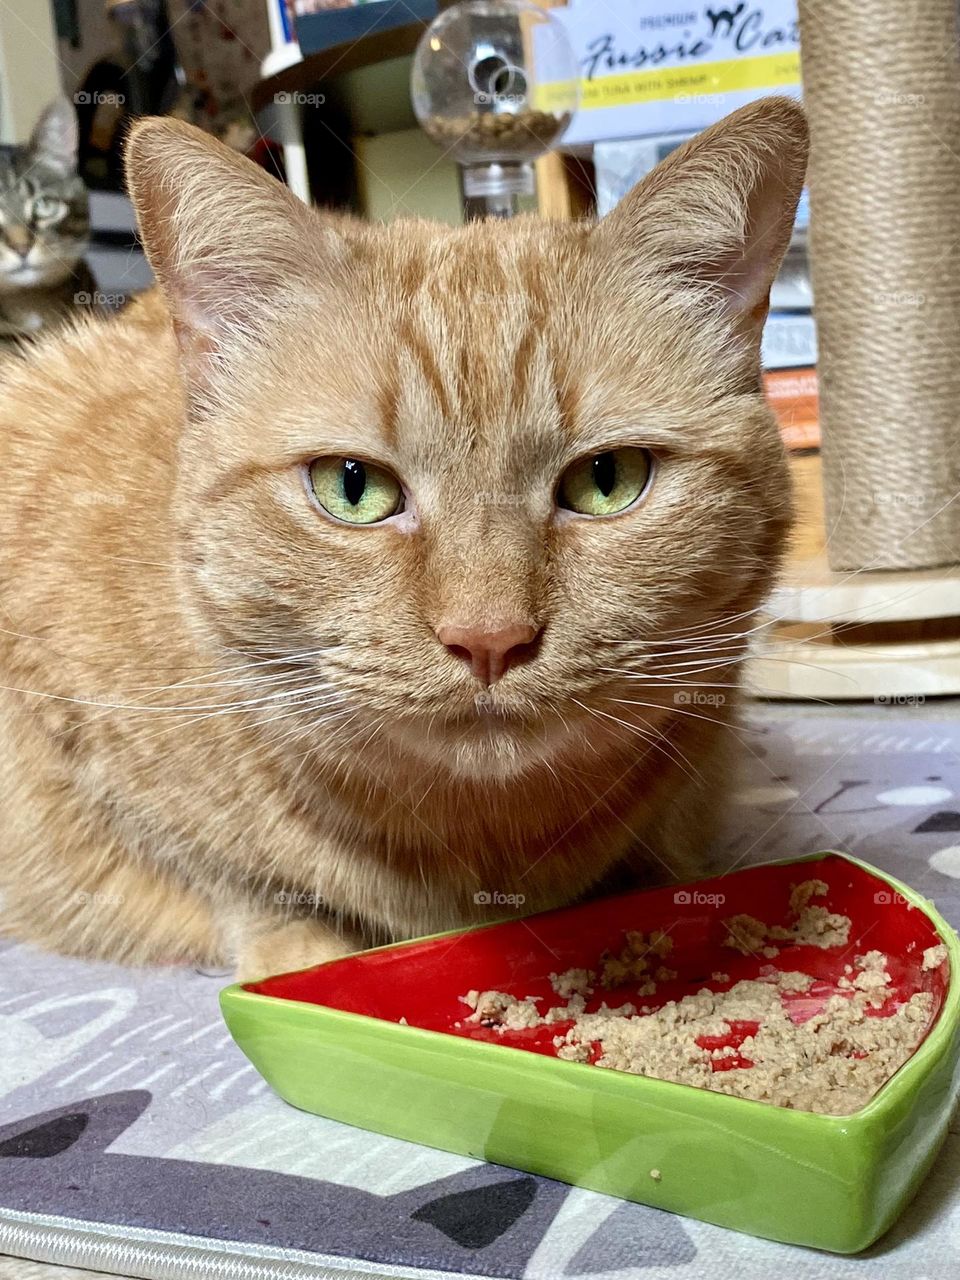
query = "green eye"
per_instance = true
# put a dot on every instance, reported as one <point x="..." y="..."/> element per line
<point x="605" y="483"/>
<point x="354" y="491"/>
<point x="46" y="208"/>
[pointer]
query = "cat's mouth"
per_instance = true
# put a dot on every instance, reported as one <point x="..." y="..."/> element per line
<point x="488" y="709"/>
<point x="492" y="738"/>
<point x="26" y="275"/>
<point x="489" y="713"/>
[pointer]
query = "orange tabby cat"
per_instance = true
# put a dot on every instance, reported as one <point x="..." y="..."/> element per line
<point x="376" y="579"/>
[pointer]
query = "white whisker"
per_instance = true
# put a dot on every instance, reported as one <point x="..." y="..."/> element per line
<point x="673" y="710"/>
<point x="650" y="736"/>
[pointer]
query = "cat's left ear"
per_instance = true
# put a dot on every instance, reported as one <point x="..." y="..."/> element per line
<point x="55" y="138"/>
<point x="231" y="247"/>
<point x="715" y="217"/>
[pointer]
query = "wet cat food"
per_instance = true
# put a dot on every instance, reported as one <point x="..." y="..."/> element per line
<point x="770" y="1038"/>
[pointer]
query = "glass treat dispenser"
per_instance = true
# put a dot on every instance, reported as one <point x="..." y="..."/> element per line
<point x="495" y="83"/>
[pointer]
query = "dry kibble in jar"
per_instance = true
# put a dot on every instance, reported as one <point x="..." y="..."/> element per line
<point x="503" y="131"/>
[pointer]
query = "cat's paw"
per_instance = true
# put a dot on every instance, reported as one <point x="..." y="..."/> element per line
<point x="296" y="944"/>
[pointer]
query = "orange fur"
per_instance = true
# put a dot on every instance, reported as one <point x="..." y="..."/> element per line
<point x="230" y="732"/>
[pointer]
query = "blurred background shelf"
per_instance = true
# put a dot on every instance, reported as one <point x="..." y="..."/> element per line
<point x="878" y="635"/>
<point x="376" y="105"/>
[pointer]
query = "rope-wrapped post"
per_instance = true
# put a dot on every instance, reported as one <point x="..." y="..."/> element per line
<point x="882" y="88"/>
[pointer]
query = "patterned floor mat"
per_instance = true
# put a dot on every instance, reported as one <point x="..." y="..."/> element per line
<point x="126" y="1108"/>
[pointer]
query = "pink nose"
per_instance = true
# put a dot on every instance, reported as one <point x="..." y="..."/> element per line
<point x="489" y="651"/>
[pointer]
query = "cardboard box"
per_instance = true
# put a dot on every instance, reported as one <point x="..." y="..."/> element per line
<point x="793" y="395"/>
<point x="789" y="341"/>
<point x="651" y="67"/>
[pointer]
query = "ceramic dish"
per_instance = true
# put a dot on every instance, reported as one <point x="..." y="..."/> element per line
<point x="329" y="1039"/>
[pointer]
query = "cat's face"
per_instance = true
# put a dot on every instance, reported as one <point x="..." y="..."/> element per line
<point x="420" y="436"/>
<point x="44" y="214"/>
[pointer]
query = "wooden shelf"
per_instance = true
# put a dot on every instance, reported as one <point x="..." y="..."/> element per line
<point x="366" y="83"/>
<point x="813" y="592"/>
<point x="311" y="72"/>
<point x="891" y="674"/>
<point x="889" y="636"/>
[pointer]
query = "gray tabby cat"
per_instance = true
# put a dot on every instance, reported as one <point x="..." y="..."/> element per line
<point x="44" y="227"/>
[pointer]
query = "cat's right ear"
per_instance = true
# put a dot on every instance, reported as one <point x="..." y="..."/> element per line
<point x="55" y="139"/>
<point x="713" y="220"/>
<point x="228" y="244"/>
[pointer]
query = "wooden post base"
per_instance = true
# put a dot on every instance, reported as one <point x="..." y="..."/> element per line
<point x="882" y="637"/>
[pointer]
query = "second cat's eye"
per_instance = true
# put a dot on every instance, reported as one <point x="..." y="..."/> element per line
<point x="47" y="208"/>
<point x="603" y="484"/>
<point x="354" y="491"/>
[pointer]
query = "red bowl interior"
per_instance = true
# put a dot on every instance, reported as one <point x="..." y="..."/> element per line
<point x="422" y="981"/>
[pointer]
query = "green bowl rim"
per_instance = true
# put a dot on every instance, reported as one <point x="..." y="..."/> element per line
<point x="901" y="1083"/>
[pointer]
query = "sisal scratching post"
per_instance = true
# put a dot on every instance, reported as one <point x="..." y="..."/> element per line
<point x="882" y="88"/>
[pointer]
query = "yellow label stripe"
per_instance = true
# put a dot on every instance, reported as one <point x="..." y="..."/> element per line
<point x="767" y="71"/>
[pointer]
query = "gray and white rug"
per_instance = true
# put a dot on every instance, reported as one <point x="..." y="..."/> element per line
<point x="135" y="1137"/>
